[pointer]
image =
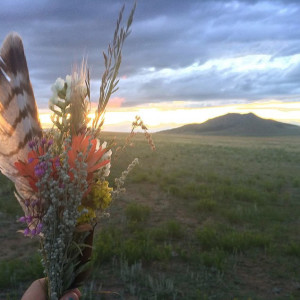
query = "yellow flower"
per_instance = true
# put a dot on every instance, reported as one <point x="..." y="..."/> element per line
<point x="98" y="199"/>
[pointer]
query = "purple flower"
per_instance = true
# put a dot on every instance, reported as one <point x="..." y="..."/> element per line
<point x="35" y="203"/>
<point x="40" y="169"/>
<point x="43" y="141"/>
<point x="50" y="142"/>
<point x="33" y="232"/>
<point x="26" y="202"/>
<point x="31" y="144"/>
<point x="30" y="160"/>
<point x="28" y="219"/>
<point x="39" y="228"/>
<point x="57" y="162"/>
<point x="26" y="231"/>
<point x="43" y="164"/>
<point x="22" y="219"/>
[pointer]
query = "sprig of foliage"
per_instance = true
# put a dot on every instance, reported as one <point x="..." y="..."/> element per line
<point x="112" y="61"/>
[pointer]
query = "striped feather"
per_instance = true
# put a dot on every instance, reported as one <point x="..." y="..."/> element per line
<point x="19" y="121"/>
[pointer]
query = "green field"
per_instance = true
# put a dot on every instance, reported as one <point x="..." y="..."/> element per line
<point x="202" y="218"/>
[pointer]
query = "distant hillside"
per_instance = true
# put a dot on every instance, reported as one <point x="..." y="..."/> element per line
<point x="238" y="125"/>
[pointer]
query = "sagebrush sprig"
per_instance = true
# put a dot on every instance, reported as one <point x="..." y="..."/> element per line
<point x="62" y="198"/>
<point x="138" y="122"/>
<point x="121" y="180"/>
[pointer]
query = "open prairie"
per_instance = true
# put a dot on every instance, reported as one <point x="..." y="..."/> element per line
<point x="202" y="218"/>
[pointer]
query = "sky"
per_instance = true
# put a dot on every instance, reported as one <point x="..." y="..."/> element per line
<point x="184" y="61"/>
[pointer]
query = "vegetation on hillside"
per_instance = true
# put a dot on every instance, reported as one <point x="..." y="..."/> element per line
<point x="234" y="124"/>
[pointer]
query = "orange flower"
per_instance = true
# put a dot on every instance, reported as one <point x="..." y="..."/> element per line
<point x="93" y="159"/>
<point x="34" y="168"/>
<point x="26" y="169"/>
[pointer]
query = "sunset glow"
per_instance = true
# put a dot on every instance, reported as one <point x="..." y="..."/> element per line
<point x="162" y="116"/>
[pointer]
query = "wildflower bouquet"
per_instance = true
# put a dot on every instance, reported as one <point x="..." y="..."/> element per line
<point x="60" y="174"/>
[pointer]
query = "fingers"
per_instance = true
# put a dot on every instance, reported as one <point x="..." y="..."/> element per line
<point x="77" y="292"/>
<point x="72" y="295"/>
<point x="36" y="291"/>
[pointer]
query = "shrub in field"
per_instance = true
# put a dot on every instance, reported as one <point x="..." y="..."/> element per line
<point x="16" y="270"/>
<point x="8" y="204"/>
<point x="174" y="229"/>
<point x="241" y="214"/>
<point x="107" y="245"/>
<point x="139" y="177"/>
<point x="215" y="258"/>
<point x="145" y="286"/>
<point x="230" y="241"/>
<point x="145" y="250"/>
<point x="242" y="241"/>
<point x="171" y="230"/>
<point x="137" y="212"/>
<point x="293" y="249"/>
<point x="242" y="193"/>
<point x="205" y="204"/>
<point x="159" y="234"/>
<point x="112" y="243"/>
<point x="208" y="238"/>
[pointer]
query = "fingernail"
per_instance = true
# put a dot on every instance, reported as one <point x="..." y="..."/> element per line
<point x="69" y="298"/>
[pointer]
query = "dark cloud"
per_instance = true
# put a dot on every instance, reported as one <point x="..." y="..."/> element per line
<point x="171" y="34"/>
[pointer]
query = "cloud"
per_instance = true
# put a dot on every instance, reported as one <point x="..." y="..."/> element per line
<point x="178" y="50"/>
<point x="240" y="79"/>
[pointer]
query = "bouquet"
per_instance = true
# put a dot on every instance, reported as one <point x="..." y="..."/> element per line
<point x="60" y="174"/>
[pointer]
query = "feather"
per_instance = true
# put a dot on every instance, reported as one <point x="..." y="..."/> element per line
<point x="19" y="121"/>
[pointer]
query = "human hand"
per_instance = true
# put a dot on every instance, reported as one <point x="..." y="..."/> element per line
<point x="38" y="291"/>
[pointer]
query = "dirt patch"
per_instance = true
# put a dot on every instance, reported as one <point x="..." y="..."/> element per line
<point x="252" y="277"/>
<point x="161" y="203"/>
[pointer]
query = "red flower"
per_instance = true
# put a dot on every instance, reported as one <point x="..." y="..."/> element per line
<point x="26" y="169"/>
<point x="32" y="170"/>
<point x="93" y="159"/>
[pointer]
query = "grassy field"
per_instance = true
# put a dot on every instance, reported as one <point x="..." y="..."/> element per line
<point x="202" y="218"/>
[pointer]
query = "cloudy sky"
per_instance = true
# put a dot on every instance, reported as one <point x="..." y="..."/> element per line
<point x="185" y="61"/>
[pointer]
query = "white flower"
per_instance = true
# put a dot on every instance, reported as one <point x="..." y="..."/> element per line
<point x="69" y="80"/>
<point x="54" y="90"/>
<point x="107" y="155"/>
<point x="59" y="84"/>
<point x="53" y="101"/>
<point x="69" y="87"/>
<point x="106" y="170"/>
<point x="68" y="93"/>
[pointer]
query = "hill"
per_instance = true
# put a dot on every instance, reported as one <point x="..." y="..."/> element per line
<point x="234" y="124"/>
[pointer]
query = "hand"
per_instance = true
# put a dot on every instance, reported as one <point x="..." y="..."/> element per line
<point x="37" y="291"/>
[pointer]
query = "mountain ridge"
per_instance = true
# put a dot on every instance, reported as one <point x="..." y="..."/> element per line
<point x="234" y="124"/>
